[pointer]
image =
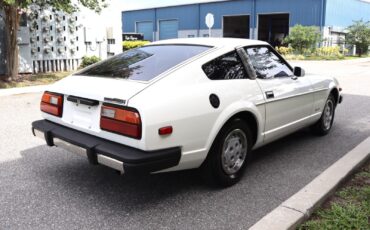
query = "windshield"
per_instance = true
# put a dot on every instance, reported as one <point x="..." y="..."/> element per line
<point x="145" y="63"/>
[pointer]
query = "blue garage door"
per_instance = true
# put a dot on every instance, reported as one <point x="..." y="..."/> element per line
<point x="168" y="29"/>
<point x="145" y="28"/>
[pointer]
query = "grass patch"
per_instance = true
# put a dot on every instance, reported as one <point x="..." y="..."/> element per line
<point x="34" y="79"/>
<point x="349" y="208"/>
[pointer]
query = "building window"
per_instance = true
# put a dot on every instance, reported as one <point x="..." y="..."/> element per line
<point x="23" y="20"/>
<point x="77" y="48"/>
<point x="76" y="28"/>
<point x="206" y="35"/>
<point x="64" y="38"/>
<point x="76" y="18"/>
<point x="38" y="49"/>
<point x="64" y="28"/>
<point x="38" y="38"/>
<point x="52" y="48"/>
<point x="51" y="17"/>
<point x="77" y="38"/>
<point x="51" y="27"/>
<point x="51" y="38"/>
<point x="191" y="36"/>
<point x="64" y="17"/>
<point x="111" y="41"/>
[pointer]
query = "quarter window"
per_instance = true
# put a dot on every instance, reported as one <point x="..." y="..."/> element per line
<point x="267" y="64"/>
<point x="226" y="67"/>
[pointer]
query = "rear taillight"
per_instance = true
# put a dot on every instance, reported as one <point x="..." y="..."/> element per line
<point x="52" y="103"/>
<point x="121" y="120"/>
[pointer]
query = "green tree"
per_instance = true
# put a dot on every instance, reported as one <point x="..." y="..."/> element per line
<point x="86" y="61"/>
<point x="359" y="35"/>
<point x="303" y="37"/>
<point x="13" y="9"/>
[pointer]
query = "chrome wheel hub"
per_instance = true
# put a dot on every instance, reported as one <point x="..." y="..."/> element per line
<point x="328" y="115"/>
<point x="234" y="151"/>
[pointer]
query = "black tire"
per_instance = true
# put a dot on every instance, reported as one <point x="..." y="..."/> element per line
<point x="214" y="170"/>
<point x="323" y="127"/>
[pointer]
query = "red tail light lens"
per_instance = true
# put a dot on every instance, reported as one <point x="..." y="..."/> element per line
<point x="125" y="121"/>
<point x="52" y="103"/>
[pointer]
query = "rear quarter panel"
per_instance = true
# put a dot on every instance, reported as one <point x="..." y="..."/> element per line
<point x="322" y="86"/>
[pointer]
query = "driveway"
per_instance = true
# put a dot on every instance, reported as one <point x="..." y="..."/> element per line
<point x="49" y="188"/>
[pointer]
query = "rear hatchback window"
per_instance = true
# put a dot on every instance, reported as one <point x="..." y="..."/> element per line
<point x="145" y="63"/>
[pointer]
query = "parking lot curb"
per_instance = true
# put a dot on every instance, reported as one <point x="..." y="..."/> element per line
<point x="22" y="90"/>
<point x="299" y="207"/>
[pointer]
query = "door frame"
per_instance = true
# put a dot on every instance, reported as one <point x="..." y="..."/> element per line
<point x="272" y="13"/>
<point x="236" y="15"/>
<point x="292" y="125"/>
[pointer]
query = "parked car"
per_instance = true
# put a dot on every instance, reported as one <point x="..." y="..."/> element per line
<point x="185" y="104"/>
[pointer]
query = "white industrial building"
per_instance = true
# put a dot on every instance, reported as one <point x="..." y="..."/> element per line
<point x="51" y="40"/>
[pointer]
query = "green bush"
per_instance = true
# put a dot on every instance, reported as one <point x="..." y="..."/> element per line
<point x="329" y="52"/>
<point x="284" y="50"/>
<point x="86" y="61"/>
<point x="302" y="38"/>
<point x="127" y="45"/>
<point x="295" y="57"/>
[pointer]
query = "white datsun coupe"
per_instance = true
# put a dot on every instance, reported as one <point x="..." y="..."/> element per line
<point x="184" y="104"/>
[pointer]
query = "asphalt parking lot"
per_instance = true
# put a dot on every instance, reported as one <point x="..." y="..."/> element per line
<point x="49" y="188"/>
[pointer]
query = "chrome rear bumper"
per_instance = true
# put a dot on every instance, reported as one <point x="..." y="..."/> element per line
<point x="103" y="160"/>
<point x="122" y="158"/>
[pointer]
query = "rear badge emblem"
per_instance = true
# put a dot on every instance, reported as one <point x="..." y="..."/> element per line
<point x="115" y="100"/>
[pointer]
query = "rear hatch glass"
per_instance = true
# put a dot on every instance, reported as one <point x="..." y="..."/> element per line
<point x="145" y="63"/>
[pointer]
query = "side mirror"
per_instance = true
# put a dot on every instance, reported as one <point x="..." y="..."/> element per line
<point x="299" y="72"/>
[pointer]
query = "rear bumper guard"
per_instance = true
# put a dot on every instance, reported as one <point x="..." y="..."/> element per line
<point x="100" y="151"/>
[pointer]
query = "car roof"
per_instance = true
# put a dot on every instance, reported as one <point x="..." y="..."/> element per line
<point x="214" y="42"/>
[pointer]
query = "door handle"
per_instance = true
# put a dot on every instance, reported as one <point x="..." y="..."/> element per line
<point x="269" y="94"/>
<point x="294" y="78"/>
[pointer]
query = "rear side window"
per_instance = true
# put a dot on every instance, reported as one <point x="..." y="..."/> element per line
<point x="145" y="63"/>
<point x="226" y="67"/>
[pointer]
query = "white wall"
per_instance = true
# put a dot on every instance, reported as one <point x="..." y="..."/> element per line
<point x="98" y="24"/>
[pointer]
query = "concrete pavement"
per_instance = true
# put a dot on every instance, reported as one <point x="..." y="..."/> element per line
<point x="22" y="90"/>
<point x="296" y="209"/>
<point x="48" y="188"/>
